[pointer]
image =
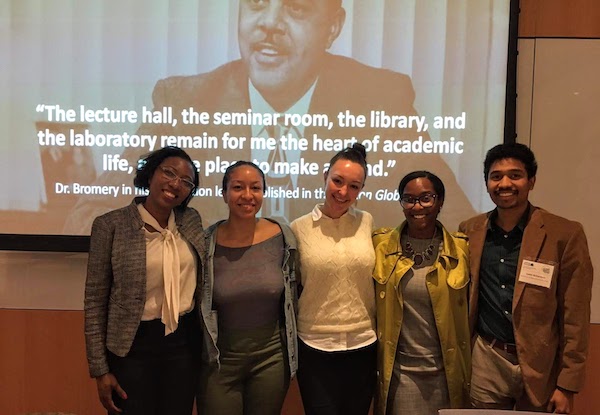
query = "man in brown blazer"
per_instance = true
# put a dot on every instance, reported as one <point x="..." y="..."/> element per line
<point x="530" y="294"/>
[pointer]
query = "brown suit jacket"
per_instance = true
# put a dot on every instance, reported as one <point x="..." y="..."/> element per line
<point x="551" y="325"/>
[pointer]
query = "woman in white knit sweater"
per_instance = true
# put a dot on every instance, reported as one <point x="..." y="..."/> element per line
<point x="336" y="310"/>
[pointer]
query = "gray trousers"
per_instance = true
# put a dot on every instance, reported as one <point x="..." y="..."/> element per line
<point x="497" y="382"/>
<point x="254" y="375"/>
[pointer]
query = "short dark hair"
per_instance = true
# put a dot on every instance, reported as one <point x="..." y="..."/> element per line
<point x="148" y="164"/>
<point x="437" y="183"/>
<point x="356" y="154"/>
<point x="241" y="163"/>
<point x="515" y="151"/>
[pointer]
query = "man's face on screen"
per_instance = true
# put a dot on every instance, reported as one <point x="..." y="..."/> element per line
<point x="283" y="42"/>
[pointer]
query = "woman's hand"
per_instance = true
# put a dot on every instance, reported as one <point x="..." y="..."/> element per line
<point x="106" y="384"/>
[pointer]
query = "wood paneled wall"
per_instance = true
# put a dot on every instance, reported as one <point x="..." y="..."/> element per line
<point x="43" y="367"/>
<point x="560" y="18"/>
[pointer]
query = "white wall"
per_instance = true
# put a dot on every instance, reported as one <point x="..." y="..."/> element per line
<point x="558" y="116"/>
<point x="42" y="280"/>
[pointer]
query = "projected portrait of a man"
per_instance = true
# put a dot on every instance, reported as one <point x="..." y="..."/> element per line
<point x="285" y="68"/>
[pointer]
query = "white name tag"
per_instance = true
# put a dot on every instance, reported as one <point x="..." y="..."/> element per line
<point x="536" y="273"/>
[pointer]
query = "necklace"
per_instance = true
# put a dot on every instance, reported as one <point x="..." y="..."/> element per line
<point x="419" y="257"/>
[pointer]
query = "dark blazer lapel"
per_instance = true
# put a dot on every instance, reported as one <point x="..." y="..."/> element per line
<point x="233" y="92"/>
<point x="533" y="239"/>
<point x="231" y="95"/>
<point x="323" y="101"/>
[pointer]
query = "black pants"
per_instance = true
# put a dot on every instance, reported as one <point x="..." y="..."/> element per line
<point x="337" y="383"/>
<point x="160" y="373"/>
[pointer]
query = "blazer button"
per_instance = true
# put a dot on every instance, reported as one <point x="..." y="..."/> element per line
<point x="382" y="294"/>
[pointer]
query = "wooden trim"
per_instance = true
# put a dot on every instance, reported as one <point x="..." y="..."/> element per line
<point x="560" y="18"/>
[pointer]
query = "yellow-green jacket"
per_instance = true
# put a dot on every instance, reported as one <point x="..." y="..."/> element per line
<point x="447" y="282"/>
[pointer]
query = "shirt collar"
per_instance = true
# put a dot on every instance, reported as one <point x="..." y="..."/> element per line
<point x="317" y="213"/>
<point x="150" y="220"/>
<point x="259" y="104"/>
<point x="520" y="225"/>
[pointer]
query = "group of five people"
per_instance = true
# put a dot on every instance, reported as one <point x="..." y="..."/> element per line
<point x="230" y="314"/>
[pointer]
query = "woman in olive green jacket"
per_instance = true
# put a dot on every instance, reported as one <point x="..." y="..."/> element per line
<point x="421" y="274"/>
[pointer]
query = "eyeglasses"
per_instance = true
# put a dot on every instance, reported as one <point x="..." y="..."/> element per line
<point x="170" y="175"/>
<point x="426" y="200"/>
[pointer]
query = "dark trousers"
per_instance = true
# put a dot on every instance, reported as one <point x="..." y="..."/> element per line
<point x="160" y="373"/>
<point x="337" y="383"/>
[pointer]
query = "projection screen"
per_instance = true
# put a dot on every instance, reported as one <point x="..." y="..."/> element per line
<point x="91" y="86"/>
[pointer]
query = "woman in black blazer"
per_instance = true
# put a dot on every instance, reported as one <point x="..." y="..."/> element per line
<point x="141" y="330"/>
